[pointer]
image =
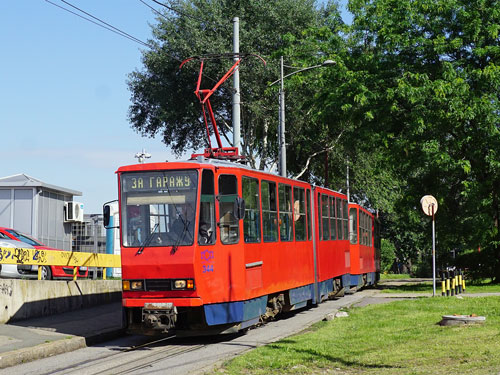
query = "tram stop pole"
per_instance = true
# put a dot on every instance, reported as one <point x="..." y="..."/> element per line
<point x="430" y="206"/>
<point x="433" y="253"/>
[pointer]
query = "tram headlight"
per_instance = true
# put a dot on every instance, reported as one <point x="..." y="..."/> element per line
<point x="180" y="284"/>
<point x="132" y="285"/>
<point x="136" y="285"/>
<point x="184" y="284"/>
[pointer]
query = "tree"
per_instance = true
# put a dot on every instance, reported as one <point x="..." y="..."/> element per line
<point x="432" y="79"/>
<point x="162" y="96"/>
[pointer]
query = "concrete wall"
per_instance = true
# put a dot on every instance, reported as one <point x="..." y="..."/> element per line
<point x="25" y="299"/>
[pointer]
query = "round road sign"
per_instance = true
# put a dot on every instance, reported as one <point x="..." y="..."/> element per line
<point x="429" y="205"/>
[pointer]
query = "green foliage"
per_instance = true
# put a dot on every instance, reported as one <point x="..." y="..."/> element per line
<point x="411" y="106"/>
<point x="387" y="255"/>
<point x="428" y="92"/>
<point x="477" y="264"/>
<point x="163" y="103"/>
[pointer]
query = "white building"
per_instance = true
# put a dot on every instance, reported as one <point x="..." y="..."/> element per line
<point x="39" y="209"/>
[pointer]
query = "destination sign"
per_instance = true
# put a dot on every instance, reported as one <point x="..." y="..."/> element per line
<point x="156" y="181"/>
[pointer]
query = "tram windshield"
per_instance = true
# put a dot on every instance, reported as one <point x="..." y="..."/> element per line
<point x="158" y="208"/>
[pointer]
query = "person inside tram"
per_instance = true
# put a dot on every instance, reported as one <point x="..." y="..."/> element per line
<point x="135" y="225"/>
<point x="205" y="231"/>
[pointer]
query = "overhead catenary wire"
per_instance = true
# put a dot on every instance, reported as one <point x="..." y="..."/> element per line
<point x="107" y="24"/>
<point x="109" y="27"/>
<point x="202" y="21"/>
<point x="153" y="9"/>
<point x="102" y="24"/>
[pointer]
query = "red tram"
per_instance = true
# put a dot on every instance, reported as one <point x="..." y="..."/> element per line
<point x="213" y="246"/>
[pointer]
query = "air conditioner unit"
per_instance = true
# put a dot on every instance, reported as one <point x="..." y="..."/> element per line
<point x="73" y="212"/>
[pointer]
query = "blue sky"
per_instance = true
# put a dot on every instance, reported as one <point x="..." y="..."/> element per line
<point x="64" y="98"/>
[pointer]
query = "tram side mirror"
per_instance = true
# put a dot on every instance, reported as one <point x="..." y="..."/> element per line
<point x="239" y="208"/>
<point x="106" y="212"/>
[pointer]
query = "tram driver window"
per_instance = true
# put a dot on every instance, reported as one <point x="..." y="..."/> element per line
<point x="206" y="229"/>
<point x="228" y="224"/>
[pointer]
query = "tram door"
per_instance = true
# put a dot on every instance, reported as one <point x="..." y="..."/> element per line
<point x="207" y="233"/>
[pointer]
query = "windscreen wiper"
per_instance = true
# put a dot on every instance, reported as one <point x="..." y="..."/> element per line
<point x="147" y="240"/>
<point x="175" y="247"/>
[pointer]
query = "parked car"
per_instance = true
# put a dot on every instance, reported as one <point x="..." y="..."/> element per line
<point x="16" y="270"/>
<point x="48" y="272"/>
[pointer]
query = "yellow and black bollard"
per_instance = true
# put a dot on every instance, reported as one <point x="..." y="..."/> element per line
<point x="443" y="284"/>
<point x="452" y="277"/>
<point x="448" y="286"/>
<point x="463" y="282"/>
<point x="460" y="289"/>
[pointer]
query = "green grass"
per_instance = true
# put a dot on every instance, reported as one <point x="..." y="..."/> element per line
<point x="423" y="287"/>
<point x="394" y="276"/>
<point x="401" y="337"/>
<point x="426" y="287"/>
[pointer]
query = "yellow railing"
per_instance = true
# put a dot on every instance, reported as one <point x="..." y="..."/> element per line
<point x="58" y="258"/>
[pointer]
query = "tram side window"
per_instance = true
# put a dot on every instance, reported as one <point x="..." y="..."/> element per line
<point x="269" y="211"/>
<point x="370" y="231"/>
<point x="299" y="213"/>
<point x="308" y="203"/>
<point x="353" y="225"/>
<point x="340" y="219"/>
<point x="365" y="229"/>
<point x="206" y="231"/>
<point x="285" y="205"/>
<point x="319" y="217"/>
<point x="333" y="220"/>
<point x="325" y="217"/>
<point x="229" y="225"/>
<point x="346" y="219"/>
<point x="361" y="227"/>
<point x="251" y="223"/>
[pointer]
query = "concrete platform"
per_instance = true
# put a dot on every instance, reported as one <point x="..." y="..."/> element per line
<point x="37" y="338"/>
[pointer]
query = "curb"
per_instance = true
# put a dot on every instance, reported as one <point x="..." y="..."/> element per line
<point x="61" y="346"/>
<point x="49" y="349"/>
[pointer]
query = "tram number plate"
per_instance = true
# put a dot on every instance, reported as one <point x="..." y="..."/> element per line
<point x="159" y="306"/>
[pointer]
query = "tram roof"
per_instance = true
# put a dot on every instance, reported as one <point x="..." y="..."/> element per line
<point x="201" y="162"/>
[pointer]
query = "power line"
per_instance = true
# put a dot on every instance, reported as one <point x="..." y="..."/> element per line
<point x="107" y="24"/>
<point x="177" y="11"/>
<point x="113" y="29"/>
<point x="125" y="35"/>
<point x="150" y="7"/>
<point x="188" y="15"/>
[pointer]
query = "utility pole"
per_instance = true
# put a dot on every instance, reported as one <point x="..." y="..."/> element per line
<point x="236" y="91"/>
<point x="281" y="135"/>
<point x="282" y="124"/>
<point x="347" y="182"/>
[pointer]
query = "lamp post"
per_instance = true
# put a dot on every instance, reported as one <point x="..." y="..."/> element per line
<point x="281" y="135"/>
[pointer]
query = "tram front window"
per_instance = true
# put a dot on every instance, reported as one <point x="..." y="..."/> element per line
<point x="158" y="208"/>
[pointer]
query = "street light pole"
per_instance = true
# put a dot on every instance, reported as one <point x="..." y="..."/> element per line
<point x="282" y="125"/>
<point x="281" y="135"/>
